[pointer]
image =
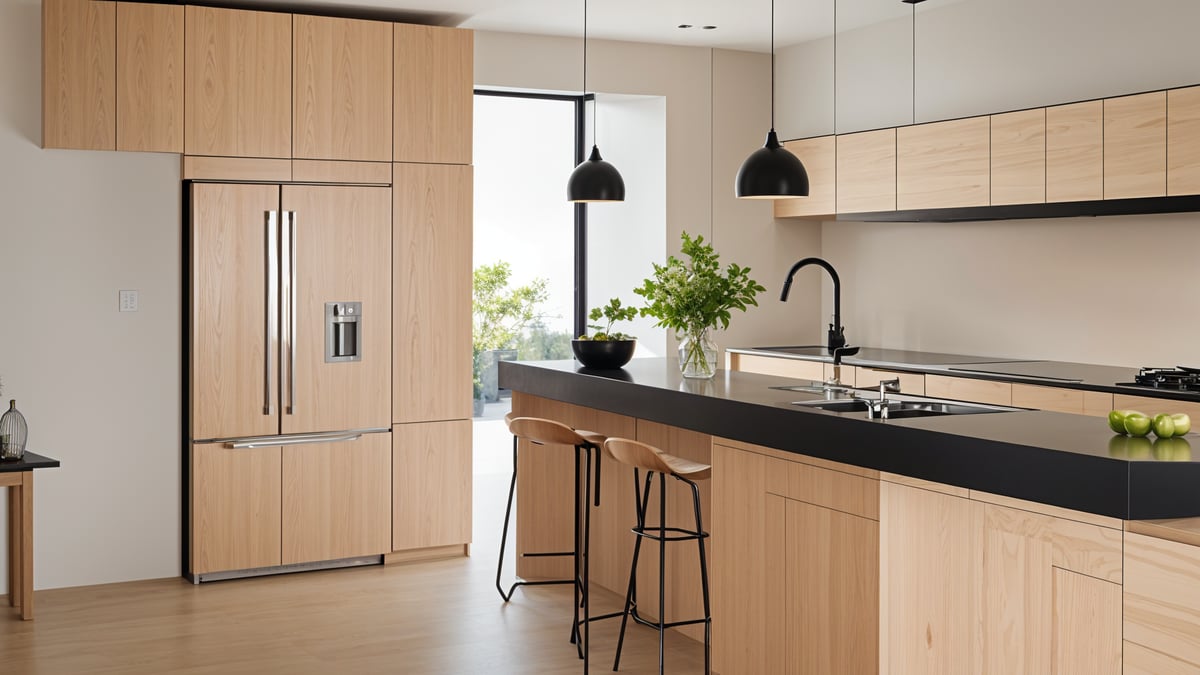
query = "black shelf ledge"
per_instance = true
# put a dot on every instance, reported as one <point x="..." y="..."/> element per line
<point x="1102" y="207"/>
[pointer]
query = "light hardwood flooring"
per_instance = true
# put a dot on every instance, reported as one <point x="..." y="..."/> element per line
<point x="435" y="617"/>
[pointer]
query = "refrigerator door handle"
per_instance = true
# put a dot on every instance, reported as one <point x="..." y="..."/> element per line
<point x="271" y="327"/>
<point x="290" y="219"/>
<point x="275" y="441"/>
<point x="287" y="311"/>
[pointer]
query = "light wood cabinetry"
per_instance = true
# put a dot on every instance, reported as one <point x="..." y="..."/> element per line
<point x="967" y="389"/>
<point x="149" y="100"/>
<point x="943" y="164"/>
<point x="337" y="499"/>
<point x="431" y="484"/>
<point x="1153" y="406"/>
<point x="1019" y="157"/>
<point x="1075" y="152"/>
<point x="819" y="156"/>
<point x="342" y="95"/>
<point x="773" y="365"/>
<point x="236" y="508"/>
<point x="866" y="171"/>
<point x="79" y="82"/>
<point x="1183" y="141"/>
<point x="1135" y="146"/>
<point x="432" y="278"/>
<point x="433" y="94"/>
<point x="1162" y="605"/>
<point x="1097" y="403"/>
<point x="1048" y="398"/>
<point x="238" y="80"/>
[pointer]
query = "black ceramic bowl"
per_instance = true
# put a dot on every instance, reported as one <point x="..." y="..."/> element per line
<point x="603" y="354"/>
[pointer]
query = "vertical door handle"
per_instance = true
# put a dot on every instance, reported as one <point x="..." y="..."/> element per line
<point x="289" y="219"/>
<point x="271" y="325"/>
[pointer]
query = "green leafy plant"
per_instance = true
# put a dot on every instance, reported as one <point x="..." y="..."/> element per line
<point x="693" y="295"/>
<point x="501" y="314"/>
<point x="614" y="311"/>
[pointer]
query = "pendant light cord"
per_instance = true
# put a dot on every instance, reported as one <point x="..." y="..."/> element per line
<point x="835" y="67"/>
<point x="772" y="65"/>
<point x="585" y="17"/>
<point x="914" y="63"/>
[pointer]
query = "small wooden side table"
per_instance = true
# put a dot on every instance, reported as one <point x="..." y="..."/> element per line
<point x="17" y="476"/>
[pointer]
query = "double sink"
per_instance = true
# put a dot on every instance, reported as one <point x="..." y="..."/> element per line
<point x="841" y="399"/>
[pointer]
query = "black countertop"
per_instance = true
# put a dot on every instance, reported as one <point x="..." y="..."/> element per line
<point x="1059" y="459"/>
<point x="28" y="461"/>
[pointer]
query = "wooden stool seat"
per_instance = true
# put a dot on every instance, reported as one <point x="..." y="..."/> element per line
<point x="650" y="458"/>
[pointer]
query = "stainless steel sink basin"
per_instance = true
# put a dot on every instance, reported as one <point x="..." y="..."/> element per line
<point x="903" y="407"/>
<point x="840" y="406"/>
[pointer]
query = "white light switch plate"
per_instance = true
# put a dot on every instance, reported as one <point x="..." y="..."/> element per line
<point x="129" y="301"/>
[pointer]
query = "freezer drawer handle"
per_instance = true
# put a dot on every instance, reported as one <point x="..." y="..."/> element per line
<point x="250" y="443"/>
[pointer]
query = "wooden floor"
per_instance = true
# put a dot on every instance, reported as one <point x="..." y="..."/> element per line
<point x="435" y="617"/>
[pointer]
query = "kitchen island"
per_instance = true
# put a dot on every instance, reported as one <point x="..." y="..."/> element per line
<point x="974" y="543"/>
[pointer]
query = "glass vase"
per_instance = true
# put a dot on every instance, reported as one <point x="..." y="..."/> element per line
<point x="698" y="355"/>
<point x="13" y="432"/>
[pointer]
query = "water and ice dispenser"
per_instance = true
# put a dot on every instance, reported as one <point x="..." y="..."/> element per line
<point x="343" y="331"/>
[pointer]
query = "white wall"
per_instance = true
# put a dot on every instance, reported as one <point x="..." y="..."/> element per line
<point x="1115" y="290"/>
<point x="99" y="389"/>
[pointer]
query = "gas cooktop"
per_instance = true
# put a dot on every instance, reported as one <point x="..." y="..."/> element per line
<point x="1182" y="378"/>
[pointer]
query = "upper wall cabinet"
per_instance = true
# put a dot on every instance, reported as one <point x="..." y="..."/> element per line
<point x="342" y="95"/>
<point x="238" y="80"/>
<point x="79" y="74"/>
<point x="433" y="92"/>
<point x="943" y="164"/>
<point x="1019" y="157"/>
<point x="1135" y="146"/>
<point x="819" y="158"/>
<point x="1183" y="141"/>
<point x="866" y="171"/>
<point x="149" y="77"/>
<point x="1075" y="152"/>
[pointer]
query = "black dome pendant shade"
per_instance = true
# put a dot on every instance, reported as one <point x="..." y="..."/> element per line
<point x="595" y="180"/>
<point x="771" y="172"/>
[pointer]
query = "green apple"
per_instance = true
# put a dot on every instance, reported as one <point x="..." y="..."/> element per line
<point x="1137" y="424"/>
<point x="1116" y="421"/>
<point x="1183" y="423"/>
<point x="1163" y="425"/>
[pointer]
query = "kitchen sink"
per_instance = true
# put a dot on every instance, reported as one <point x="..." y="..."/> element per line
<point x="903" y="407"/>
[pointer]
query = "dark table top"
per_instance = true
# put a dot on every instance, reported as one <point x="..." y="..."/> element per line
<point x="28" y="462"/>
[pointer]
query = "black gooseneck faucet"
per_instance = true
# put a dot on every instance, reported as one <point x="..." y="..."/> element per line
<point x="837" y="338"/>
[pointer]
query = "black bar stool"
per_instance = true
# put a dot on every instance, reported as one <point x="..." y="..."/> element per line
<point x="654" y="461"/>
<point x="588" y="444"/>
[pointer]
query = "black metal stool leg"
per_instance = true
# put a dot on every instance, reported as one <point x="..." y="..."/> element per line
<point x="703" y="581"/>
<point x="575" y="636"/>
<point x="512" y="488"/>
<point x="662" y="567"/>
<point x="587" y="531"/>
<point x="637" y="550"/>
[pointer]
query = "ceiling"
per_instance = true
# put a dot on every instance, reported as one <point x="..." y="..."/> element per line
<point x="740" y="24"/>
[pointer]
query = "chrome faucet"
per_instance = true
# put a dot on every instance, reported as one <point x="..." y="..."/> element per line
<point x="880" y="408"/>
<point x="837" y="337"/>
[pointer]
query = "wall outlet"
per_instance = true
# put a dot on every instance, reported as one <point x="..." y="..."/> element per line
<point x="129" y="301"/>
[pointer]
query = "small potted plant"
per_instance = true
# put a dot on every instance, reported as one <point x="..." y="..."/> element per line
<point x="606" y="349"/>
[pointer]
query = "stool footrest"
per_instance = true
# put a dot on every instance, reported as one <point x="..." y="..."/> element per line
<point x="546" y="555"/>
<point x="652" y="533"/>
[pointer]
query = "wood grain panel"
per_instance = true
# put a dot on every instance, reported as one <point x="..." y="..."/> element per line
<point x="342" y="91"/>
<point x="866" y="171"/>
<point x="967" y="389"/>
<point x="943" y="488"/>
<point x="235" y="508"/>
<point x="432" y="277"/>
<point x="1086" y="634"/>
<point x="343" y="254"/>
<point x="1019" y="157"/>
<point x="943" y="164"/>
<point x="910" y="383"/>
<point x="1182" y="530"/>
<point x="1138" y="660"/>
<point x="324" y="171"/>
<point x="337" y="499"/>
<point x="1070" y="544"/>
<point x="925" y="611"/>
<point x="848" y="493"/>
<point x="1135" y="146"/>
<point x="1075" y="152"/>
<point x="79" y="74"/>
<point x="840" y="373"/>
<point x="149" y="77"/>
<point x="795" y="457"/>
<point x="228" y="348"/>
<point x="1048" y="510"/>
<point x="431" y="484"/>
<point x="1097" y="403"/>
<point x="238" y="78"/>
<point x="819" y="156"/>
<point x="781" y="367"/>
<point x="1183" y="141"/>
<point x="1162" y="598"/>
<point x="1153" y="406"/>
<point x="236" y="168"/>
<point x="434" y="94"/>
<point x="1056" y="399"/>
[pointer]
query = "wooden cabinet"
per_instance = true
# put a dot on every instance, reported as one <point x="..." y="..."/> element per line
<point x="1056" y="399"/>
<point x="967" y="389"/>
<point x="1019" y="157"/>
<point x="1183" y="141"/>
<point x="866" y="171"/>
<point x="1075" y="152"/>
<point x="79" y="82"/>
<point x="149" y="100"/>
<point x="433" y="94"/>
<point x="238" y="80"/>
<point x="432" y="279"/>
<point x="431" y="484"/>
<point x="337" y="499"/>
<point x="342" y="95"/>
<point x="943" y="164"/>
<point x="819" y="156"/>
<point x="236" y="508"/>
<point x="1162" y="606"/>
<point x="781" y="367"/>
<point x="1153" y="406"/>
<point x="1135" y="146"/>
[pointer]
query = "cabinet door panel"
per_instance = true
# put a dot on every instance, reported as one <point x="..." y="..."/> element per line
<point x="79" y="74"/>
<point x="1048" y="398"/>
<point x="819" y="158"/>
<point x="431" y="484"/>
<point x="1019" y="157"/>
<point x="343" y="254"/>
<point x="434" y="85"/>
<point x="149" y="77"/>
<point x="234" y="392"/>
<point x="1162" y="598"/>
<point x="1135" y="146"/>
<point x="943" y="164"/>
<point x="432" y="275"/>
<point x="342" y="100"/>
<point x="238" y="78"/>
<point x="967" y="389"/>
<point x="1075" y="152"/>
<point x="782" y="367"/>
<point x="866" y="171"/>
<point x="235" y="497"/>
<point x="1183" y="141"/>
<point x="337" y="499"/>
<point x="1087" y="625"/>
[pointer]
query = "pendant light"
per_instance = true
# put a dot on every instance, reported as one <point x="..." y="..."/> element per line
<point x="771" y="172"/>
<point x="594" y="180"/>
